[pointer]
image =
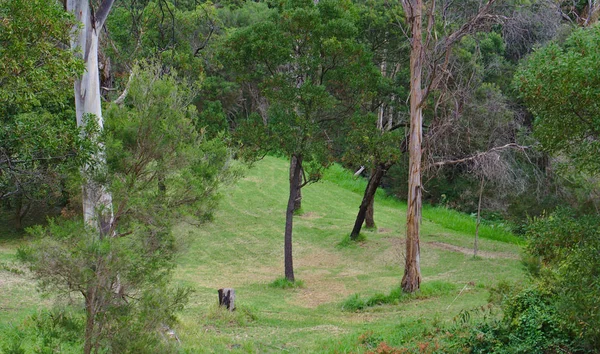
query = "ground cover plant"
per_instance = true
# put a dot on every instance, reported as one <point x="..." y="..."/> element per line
<point x="241" y="249"/>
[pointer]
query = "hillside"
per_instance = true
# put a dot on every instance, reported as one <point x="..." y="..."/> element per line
<point x="243" y="248"/>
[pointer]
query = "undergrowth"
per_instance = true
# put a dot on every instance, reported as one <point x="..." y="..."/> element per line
<point x="430" y="289"/>
<point x="284" y="283"/>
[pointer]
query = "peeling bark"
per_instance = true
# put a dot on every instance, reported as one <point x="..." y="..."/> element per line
<point x="97" y="201"/>
<point x="411" y="281"/>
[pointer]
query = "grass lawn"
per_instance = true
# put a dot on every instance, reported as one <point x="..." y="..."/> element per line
<point x="243" y="249"/>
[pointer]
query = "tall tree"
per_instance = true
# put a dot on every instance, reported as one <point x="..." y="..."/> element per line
<point x="313" y="73"/>
<point x="425" y="53"/>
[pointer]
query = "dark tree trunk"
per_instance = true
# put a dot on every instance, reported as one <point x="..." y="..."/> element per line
<point x="298" y="199"/>
<point x="370" y="215"/>
<point x="368" y="198"/>
<point x="295" y="168"/>
<point x="20" y="210"/>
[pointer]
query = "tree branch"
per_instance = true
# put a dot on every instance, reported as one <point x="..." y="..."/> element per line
<point x="479" y="155"/>
<point x="123" y="95"/>
<point x="102" y="12"/>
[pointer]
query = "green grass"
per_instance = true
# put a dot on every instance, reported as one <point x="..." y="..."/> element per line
<point x="243" y="249"/>
<point x="284" y="283"/>
<point x="448" y="218"/>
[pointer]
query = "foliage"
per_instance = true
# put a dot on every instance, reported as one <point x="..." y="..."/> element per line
<point x="307" y="80"/>
<point x="531" y="324"/>
<point x="567" y="247"/>
<point x="39" y="141"/>
<point x="36" y="70"/>
<point x="46" y="332"/>
<point x="160" y="171"/>
<point x="560" y="85"/>
<point x="559" y="312"/>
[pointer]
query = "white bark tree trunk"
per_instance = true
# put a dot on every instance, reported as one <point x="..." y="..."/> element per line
<point x="97" y="201"/>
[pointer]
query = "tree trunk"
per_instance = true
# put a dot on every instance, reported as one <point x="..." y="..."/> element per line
<point x="90" y="323"/>
<point x="411" y="280"/>
<point x="295" y="168"/>
<point x="370" y="216"/>
<point x="97" y="201"/>
<point x="298" y="199"/>
<point x="20" y="210"/>
<point x="368" y="198"/>
<point x="475" y="245"/>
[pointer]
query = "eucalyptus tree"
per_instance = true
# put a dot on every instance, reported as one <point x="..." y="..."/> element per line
<point x="429" y="56"/>
<point x="313" y="73"/>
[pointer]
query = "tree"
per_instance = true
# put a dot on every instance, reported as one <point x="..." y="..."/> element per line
<point x="376" y="144"/>
<point x="422" y="57"/>
<point x="161" y="171"/>
<point x="560" y="84"/>
<point x="309" y="67"/>
<point x="378" y="150"/>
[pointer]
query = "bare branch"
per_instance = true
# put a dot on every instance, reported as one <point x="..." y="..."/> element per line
<point x="123" y="95"/>
<point x="479" y="155"/>
<point x="102" y="12"/>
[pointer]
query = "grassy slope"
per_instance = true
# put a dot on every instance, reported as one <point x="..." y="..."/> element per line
<point x="243" y="249"/>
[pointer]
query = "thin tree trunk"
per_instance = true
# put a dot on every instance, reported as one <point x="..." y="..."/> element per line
<point x="478" y="217"/>
<point x="298" y="200"/>
<point x="20" y="211"/>
<point x="368" y="198"/>
<point x="90" y="322"/>
<point x="411" y="280"/>
<point x="295" y="168"/>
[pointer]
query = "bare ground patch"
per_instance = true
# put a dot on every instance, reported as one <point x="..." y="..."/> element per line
<point x="310" y="215"/>
<point x="469" y="251"/>
<point x="319" y="290"/>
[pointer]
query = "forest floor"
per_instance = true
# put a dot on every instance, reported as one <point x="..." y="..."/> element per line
<point x="242" y="248"/>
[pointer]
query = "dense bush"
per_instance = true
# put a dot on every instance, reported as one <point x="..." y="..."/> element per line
<point x="559" y="313"/>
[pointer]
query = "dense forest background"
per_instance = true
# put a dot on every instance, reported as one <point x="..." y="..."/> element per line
<point x="488" y="108"/>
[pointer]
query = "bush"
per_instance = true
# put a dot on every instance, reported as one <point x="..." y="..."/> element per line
<point x="568" y="249"/>
<point x="58" y="330"/>
<point x="531" y="324"/>
<point x="396" y="295"/>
